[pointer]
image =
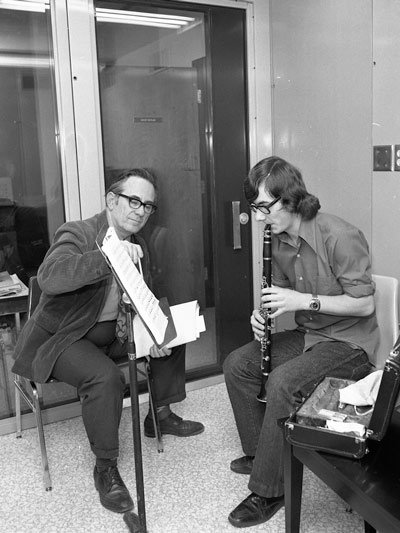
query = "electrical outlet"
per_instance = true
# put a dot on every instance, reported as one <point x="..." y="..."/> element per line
<point x="384" y="157"/>
<point x="397" y="157"/>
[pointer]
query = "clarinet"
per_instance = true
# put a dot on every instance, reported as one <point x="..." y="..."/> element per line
<point x="265" y="348"/>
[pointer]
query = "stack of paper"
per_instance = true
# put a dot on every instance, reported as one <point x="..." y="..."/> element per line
<point x="10" y="284"/>
<point x="188" y="324"/>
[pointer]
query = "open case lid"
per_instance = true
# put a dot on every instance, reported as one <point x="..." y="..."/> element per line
<point x="387" y="395"/>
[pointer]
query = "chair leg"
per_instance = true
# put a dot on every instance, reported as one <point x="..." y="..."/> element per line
<point x="153" y="407"/>
<point x="42" y="442"/>
<point x="17" y="407"/>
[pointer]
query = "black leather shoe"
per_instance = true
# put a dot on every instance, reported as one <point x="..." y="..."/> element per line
<point x="243" y="465"/>
<point x="173" y="425"/>
<point x="255" y="510"/>
<point x="114" y="495"/>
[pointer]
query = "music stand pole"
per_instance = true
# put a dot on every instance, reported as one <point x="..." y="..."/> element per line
<point x="137" y="443"/>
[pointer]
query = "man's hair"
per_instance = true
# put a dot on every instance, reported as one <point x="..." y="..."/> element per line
<point x="115" y="182"/>
<point x="280" y="178"/>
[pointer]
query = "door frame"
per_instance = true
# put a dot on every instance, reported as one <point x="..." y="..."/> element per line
<point x="87" y="109"/>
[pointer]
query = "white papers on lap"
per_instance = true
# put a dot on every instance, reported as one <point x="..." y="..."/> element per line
<point x="144" y="301"/>
<point x="188" y="324"/>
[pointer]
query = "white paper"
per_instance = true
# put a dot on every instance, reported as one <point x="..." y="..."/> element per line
<point x="188" y="324"/>
<point x="20" y="289"/>
<point x="134" y="285"/>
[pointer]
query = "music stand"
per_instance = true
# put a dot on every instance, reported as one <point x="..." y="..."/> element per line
<point x="139" y="524"/>
<point x="120" y="264"/>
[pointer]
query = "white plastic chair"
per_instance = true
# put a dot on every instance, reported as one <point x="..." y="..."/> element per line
<point x="387" y="314"/>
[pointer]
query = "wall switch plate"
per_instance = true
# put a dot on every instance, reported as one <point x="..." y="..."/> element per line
<point x="384" y="157"/>
<point x="397" y="157"/>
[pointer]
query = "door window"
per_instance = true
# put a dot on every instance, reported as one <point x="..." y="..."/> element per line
<point x="31" y="200"/>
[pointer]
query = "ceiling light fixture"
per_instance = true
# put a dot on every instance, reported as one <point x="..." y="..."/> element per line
<point x="142" y="19"/>
<point x="24" y="5"/>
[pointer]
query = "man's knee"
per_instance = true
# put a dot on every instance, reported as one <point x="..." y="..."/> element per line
<point x="241" y="361"/>
<point x="231" y="362"/>
<point x="108" y="378"/>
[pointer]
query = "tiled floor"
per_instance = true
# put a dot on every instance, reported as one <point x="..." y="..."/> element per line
<point x="188" y="488"/>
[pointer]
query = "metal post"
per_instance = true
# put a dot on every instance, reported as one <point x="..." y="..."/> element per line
<point x="130" y="518"/>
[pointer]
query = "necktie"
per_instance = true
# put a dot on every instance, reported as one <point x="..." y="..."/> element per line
<point x="121" y="328"/>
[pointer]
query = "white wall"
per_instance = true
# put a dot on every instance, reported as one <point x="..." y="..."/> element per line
<point x="336" y="93"/>
<point x="386" y="130"/>
<point x="322" y="100"/>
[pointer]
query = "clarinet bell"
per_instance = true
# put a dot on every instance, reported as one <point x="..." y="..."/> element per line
<point x="262" y="397"/>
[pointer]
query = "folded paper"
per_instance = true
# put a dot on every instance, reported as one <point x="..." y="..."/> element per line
<point x="188" y="324"/>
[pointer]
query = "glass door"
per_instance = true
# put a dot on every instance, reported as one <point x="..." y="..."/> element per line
<point x="170" y="102"/>
<point x="31" y="192"/>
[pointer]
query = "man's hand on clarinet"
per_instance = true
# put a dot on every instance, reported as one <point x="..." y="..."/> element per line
<point x="281" y="300"/>
<point x="257" y="324"/>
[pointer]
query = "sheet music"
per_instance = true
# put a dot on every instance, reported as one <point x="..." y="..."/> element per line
<point x="134" y="285"/>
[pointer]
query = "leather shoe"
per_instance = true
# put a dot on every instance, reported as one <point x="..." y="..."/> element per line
<point x="243" y="465"/>
<point x="173" y="425"/>
<point x="114" y="495"/>
<point x="255" y="510"/>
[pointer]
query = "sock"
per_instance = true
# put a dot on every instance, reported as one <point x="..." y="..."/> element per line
<point x="163" y="412"/>
<point x="103" y="464"/>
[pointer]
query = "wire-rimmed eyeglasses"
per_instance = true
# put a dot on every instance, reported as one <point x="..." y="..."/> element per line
<point x="135" y="203"/>
<point x="264" y="208"/>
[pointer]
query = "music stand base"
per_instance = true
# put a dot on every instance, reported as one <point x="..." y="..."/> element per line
<point x="132" y="521"/>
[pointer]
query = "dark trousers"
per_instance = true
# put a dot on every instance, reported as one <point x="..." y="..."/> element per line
<point x="294" y="374"/>
<point x="88" y="365"/>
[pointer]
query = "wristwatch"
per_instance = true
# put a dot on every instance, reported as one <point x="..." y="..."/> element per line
<point x="314" y="304"/>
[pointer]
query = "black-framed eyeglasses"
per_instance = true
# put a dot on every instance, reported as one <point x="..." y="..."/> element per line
<point x="135" y="203"/>
<point x="264" y="208"/>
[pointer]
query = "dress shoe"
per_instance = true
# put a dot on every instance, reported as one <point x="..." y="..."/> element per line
<point x="243" y="465"/>
<point x="255" y="510"/>
<point x="173" y="425"/>
<point x="114" y="495"/>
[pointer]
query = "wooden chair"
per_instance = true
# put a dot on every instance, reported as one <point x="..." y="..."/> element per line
<point x="30" y="391"/>
<point x="370" y="485"/>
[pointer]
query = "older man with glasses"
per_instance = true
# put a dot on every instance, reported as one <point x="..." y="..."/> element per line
<point x="321" y="271"/>
<point x="73" y="334"/>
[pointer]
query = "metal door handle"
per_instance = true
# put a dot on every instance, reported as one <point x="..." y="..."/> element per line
<point x="238" y="218"/>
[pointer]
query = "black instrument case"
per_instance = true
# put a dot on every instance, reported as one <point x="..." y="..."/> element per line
<point x="305" y="426"/>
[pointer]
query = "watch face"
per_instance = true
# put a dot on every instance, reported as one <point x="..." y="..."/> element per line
<point x="315" y="304"/>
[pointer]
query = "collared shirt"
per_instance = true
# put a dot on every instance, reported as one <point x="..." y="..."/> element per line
<point x="111" y="305"/>
<point x="331" y="258"/>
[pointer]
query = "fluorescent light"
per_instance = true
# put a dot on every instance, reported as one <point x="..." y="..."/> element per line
<point x="24" y="61"/>
<point x="24" y="5"/>
<point x="104" y="18"/>
<point x="142" y="14"/>
<point x="142" y="19"/>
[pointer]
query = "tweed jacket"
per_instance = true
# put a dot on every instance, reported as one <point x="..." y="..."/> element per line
<point x="74" y="279"/>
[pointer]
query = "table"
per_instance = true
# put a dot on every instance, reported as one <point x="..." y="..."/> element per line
<point x="12" y="305"/>
<point x="371" y="485"/>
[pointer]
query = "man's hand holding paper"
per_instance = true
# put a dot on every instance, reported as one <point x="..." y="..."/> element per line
<point x="135" y="251"/>
<point x="156" y="353"/>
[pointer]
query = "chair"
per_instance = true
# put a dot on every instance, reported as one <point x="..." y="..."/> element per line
<point x="387" y="314"/>
<point x="368" y="485"/>
<point x="30" y="391"/>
